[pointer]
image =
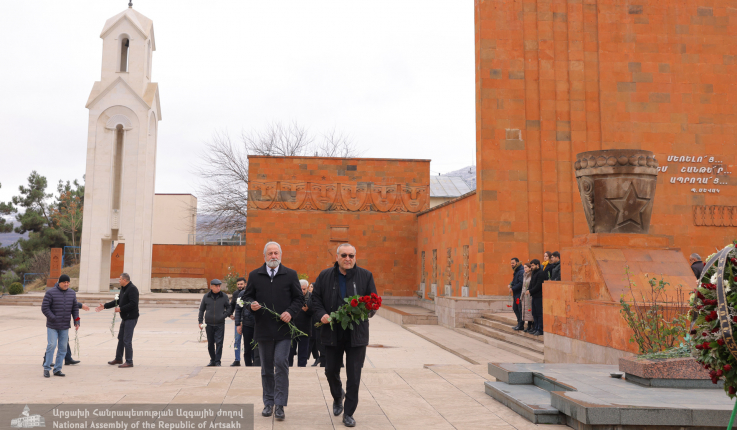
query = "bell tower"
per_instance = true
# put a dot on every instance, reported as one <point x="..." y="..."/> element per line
<point x="124" y="112"/>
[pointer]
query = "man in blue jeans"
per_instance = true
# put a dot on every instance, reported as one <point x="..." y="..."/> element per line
<point x="59" y="304"/>
<point x="68" y="360"/>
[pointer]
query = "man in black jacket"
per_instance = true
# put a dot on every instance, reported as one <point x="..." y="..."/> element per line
<point x="515" y="288"/>
<point x="245" y="322"/>
<point x="536" y="292"/>
<point x="127" y="305"/>
<point x="332" y="286"/>
<point x="697" y="266"/>
<point x="301" y="345"/>
<point x="214" y="307"/>
<point x="552" y="270"/>
<point x="276" y="287"/>
<point x="59" y="305"/>
<point x="240" y="283"/>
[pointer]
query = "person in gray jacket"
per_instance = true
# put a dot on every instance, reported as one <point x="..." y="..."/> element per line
<point x="59" y="304"/>
<point x="214" y="307"/>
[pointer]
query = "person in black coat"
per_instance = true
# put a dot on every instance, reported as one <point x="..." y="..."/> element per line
<point x="68" y="360"/>
<point x="276" y="287"/>
<point x="59" y="305"/>
<point x="536" y="292"/>
<point x="240" y="284"/>
<point x="332" y="286"/>
<point x="214" y="307"/>
<point x="127" y="306"/>
<point x="302" y="321"/>
<point x="552" y="270"/>
<point x="515" y="288"/>
<point x="245" y="323"/>
<point x="697" y="266"/>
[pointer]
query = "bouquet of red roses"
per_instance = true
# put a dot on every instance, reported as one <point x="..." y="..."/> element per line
<point x="355" y="310"/>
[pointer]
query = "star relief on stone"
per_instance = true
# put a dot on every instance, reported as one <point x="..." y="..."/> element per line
<point x="629" y="208"/>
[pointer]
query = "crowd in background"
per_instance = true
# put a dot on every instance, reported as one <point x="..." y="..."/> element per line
<point x="526" y="289"/>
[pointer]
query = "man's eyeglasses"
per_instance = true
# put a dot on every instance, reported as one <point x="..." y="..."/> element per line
<point x="351" y="256"/>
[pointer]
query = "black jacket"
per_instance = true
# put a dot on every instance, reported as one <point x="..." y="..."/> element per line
<point x="697" y="268"/>
<point x="282" y="294"/>
<point x="552" y="271"/>
<point x="536" y="283"/>
<point x="326" y="299"/>
<point x="243" y="314"/>
<point x="128" y="302"/>
<point x="233" y="298"/>
<point x="303" y="320"/>
<point x="519" y="275"/>
<point x="214" y="307"/>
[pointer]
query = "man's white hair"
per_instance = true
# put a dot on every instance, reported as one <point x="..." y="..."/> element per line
<point x="272" y="243"/>
<point x="304" y="283"/>
<point x="696" y="257"/>
<point x="337" y="251"/>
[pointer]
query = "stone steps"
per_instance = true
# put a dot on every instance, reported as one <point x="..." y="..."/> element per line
<point x="506" y="346"/>
<point x="507" y="328"/>
<point x="531" y="402"/>
<point x="488" y="328"/>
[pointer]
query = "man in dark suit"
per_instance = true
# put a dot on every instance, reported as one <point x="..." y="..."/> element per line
<point x="332" y="286"/>
<point x="276" y="287"/>
<point x="536" y="292"/>
<point x="127" y="306"/>
<point x="214" y="308"/>
<point x="515" y="288"/>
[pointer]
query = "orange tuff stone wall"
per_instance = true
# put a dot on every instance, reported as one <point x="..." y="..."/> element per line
<point x="556" y="78"/>
<point x="187" y="261"/>
<point x="310" y="205"/>
<point x="448" y="248"/>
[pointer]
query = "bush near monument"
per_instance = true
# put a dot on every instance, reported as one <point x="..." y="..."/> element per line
<point x="659" y="322"/>
<point x="15" y="288"/>
<point x="715" y="318"/>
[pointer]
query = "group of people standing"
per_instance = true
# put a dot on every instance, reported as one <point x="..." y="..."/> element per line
<point x="267" y="302"/>
<point x="526" y="289"/>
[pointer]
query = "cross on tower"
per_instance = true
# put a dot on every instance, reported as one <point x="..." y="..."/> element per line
<point x="130" y="3"/>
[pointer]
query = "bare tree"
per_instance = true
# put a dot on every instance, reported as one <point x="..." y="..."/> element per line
<point x="223" y="168"/>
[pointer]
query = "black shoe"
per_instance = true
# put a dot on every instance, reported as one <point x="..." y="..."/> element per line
<point x="47" y="374"/>
<point x="210" y="364"/>
<point x="538" y="333"/>
<point x="236" y="363"/>
<point x="59" y="373"/>
<point x="279" y="413"/>
<point x="516" y="328"/>
<point x="70" y="362"/>
<point x="317" y="361"/>
<point x="217" y="364"/>
<point x="268" y="410"/>
<point x="349" y="421"/>
<point x="338" y="405"/>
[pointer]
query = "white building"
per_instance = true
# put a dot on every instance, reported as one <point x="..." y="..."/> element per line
<point x="121" y="154"/>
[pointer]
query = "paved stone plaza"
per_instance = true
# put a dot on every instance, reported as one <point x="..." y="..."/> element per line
<point x="407" y="383"/>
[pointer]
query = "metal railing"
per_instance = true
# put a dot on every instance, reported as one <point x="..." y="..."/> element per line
<point x="24" y="279"/>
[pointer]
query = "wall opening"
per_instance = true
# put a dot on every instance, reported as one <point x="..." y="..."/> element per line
<point x="118" y="165"/>
<point x="124" y="46"/>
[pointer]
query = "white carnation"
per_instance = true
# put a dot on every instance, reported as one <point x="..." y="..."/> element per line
<point x="117" y="297"/>
<point x="714" y="279"/>
<point x="204" y="325"/>
<point x="240" y="302"/>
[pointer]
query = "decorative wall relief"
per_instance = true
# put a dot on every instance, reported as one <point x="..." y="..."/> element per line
<point x="617" y="188"/>
<point x="465" y="266"/>
<point x="434" y="266"/>
<point x="316" y="196"/>
<point x="715" y="216"/>
<point x="422" y="272"/>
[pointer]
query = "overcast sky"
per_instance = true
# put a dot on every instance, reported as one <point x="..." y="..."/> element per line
<point x="395" y="75"/>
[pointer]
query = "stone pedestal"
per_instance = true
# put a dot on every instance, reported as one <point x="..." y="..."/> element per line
<point x="582" y="320"/>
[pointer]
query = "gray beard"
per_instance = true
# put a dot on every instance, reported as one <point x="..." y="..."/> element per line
<point x="273" y="263"/>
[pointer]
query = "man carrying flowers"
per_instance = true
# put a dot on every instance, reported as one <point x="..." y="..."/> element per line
<point x="332" y="287"/>
<point x="127" y="305"/>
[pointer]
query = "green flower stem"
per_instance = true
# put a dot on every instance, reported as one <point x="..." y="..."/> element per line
<point x="731" y="419"/>
<point x="294" y="332"/>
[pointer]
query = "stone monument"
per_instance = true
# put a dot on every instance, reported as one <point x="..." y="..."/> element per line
<point x="121" y="154"/>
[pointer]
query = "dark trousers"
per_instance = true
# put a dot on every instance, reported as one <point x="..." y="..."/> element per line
<point x="274" y="356"/>
<point x="354" y="358"/>
<point x="517" y="308"/>
<point x="125" y="340"/>
<point x="313" y="346"/>
<point x="248" y="345"/>
<point x="215" y="336"/>
<point x="537" y="313"/>
<point x="301" y="348"/>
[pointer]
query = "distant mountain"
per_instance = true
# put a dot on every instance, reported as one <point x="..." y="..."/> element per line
<point x="467" y="173"/>
<point x="10" y="238"/>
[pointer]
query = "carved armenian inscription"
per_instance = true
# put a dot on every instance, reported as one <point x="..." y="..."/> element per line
<point x="317" y="196"/>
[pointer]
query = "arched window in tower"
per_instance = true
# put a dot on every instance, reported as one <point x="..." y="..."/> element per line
<point x="118" y="165"/>
<point x="124" y="46"/>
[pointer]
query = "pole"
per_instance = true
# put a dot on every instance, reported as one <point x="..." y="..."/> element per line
<point x="731" y="419"/>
